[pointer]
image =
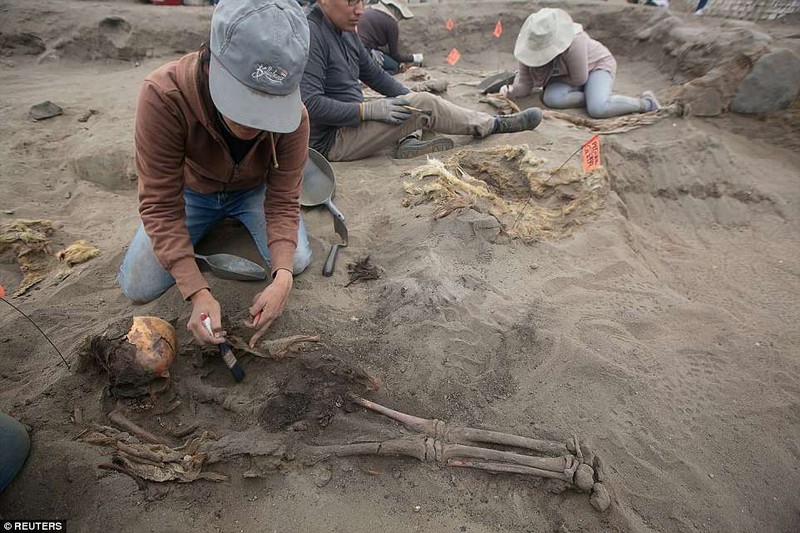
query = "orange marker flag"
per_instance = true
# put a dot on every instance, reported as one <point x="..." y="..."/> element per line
<point x="2" y="291"/>
<point x="498" y="29"/>
<point x="453" y="56"/>
<point x="590" y="154"/>
<point x="449" y="25"/>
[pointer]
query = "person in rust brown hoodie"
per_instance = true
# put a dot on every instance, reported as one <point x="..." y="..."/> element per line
<point x="222" y="133"/>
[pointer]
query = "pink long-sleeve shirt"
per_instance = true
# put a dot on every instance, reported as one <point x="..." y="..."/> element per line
<point x="571" y="66"/>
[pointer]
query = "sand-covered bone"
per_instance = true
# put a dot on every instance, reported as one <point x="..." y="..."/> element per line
<point x="157" y="462"/>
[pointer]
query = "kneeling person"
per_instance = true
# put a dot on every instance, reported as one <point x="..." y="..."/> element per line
<point x="222" y="133"/>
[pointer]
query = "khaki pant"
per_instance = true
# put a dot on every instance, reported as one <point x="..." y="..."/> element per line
<point x="367" y="138"/>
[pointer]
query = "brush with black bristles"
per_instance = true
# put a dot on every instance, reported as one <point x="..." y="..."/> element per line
<point x="225" y="350"/>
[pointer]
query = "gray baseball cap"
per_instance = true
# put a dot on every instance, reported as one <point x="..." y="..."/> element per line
<point x="259" y="50"/>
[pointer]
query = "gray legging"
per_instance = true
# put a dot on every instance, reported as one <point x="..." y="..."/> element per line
<point x="595" y="95"/>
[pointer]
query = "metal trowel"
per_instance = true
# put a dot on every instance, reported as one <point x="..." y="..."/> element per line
<point x="340" y="228"/>
<point x="228" y="266"/>
<point x="493" y="83"/>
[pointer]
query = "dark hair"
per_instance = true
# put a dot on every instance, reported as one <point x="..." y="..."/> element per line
<point x="205" y="54"/>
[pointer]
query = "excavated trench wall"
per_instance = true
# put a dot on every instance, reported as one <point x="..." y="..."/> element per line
<point x="749" y="9"/>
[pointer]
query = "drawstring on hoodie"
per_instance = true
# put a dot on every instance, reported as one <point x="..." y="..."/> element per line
<point x="274" y="156"/>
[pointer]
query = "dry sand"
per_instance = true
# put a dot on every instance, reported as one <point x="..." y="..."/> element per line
<point x="663" y="332"/>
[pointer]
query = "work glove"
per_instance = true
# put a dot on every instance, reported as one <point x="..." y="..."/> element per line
<point x="417" y="58"/>
<point x="377" y="57"/>
<point x="389" y="110"/>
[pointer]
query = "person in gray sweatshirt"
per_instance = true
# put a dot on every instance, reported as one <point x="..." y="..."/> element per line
<point x="345" y="127"/>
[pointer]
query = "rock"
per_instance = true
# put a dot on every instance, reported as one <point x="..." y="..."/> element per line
<point x="773" y="83"/>
<point x="600" y="499"/>
<point x="322" y="477"/>
<point x="588" y="458"/>
<point x="483" y="225"/>
<point x="87" y="115"/>
<point x="44" y="110"/>
<point x="300" y="425"/>
<point x="584" y="477"/>
<point x="600" y="469"/>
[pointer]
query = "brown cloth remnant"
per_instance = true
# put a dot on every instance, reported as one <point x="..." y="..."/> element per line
<point x="30" y="242"/>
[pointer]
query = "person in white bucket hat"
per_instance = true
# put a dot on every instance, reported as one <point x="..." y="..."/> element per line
<point x="222" y="133"/>
<point x="379" y="31"/>
<point x="556" y="54"/>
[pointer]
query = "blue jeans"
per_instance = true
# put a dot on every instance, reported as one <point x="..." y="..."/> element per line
<point x="16" y="445"/>
<point x="390" y="65"/>
<point x="595" y="95"/>
<point x="143" y="279"/>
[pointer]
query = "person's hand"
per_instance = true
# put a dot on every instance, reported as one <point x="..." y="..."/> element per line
<point x="204" y="303"/>
<point x="377" y="57"/>
<point x="389" y="110"/>
<point x="417" y="58"/>
<point x="268" y="304"/>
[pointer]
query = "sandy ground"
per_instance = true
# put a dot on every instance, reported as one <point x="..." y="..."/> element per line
<point x="663" y="332"/>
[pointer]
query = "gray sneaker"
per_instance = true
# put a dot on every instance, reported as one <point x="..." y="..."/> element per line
<point x="412" y="147"/>
<point x="522" y="121"/>
<point x="650" y="101"/>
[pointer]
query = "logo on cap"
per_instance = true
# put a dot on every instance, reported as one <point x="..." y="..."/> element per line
<point x="270" y="73"/>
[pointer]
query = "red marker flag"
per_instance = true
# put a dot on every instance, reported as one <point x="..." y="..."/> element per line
<point x="449" y="25"/>
<point x="590" y="154"/>
<point x="453" y="56"/>
<point x="498" y="29"/>
<point x="2" y="291"/>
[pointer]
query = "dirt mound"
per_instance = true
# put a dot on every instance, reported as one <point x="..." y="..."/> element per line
<point x="510" y="184"/>
<point x="107" y="31"/>
<point x="658" y="182"/>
